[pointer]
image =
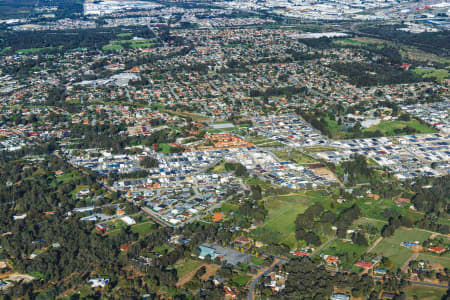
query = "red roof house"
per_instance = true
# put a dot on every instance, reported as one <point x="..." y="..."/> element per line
<point x="364" y="264"/>
<point x="437" y="249"/>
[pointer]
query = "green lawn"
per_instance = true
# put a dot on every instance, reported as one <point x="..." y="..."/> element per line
<point x="279" y="225"/>
<point x="349" y="42"/>
<point x="111" y="47"/>
<point x="145" y="43"/>
<point x="141" y="45"/>
<point x="438" y="74"/>
<point x="347" y="252"/>
<point x="143" y="228"/>
<point x="187" y="266"/>
<point x="228" y="207"/>
<point x="165" y="148"/>
<point x="257" y="260"/>
<point x="4" y="50"/>
<point x="387" y="128"/>
<point x="263" y="141"/>
<point x="241" y="279"/>
<point x="124" y="35"/>
<point x="33" y="50"/>
<point x="391" y="247"/>
<point x="433" y="259"/>
<point x="219" y="168"/>
<point x="374" y="209"/>
<point x="295" y="156"/>
<point x="425" y="292"/>
<point x="369" y="222"/>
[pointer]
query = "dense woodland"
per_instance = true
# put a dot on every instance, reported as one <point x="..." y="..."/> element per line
<point x="362" y="74"/>
<point x="30" y="186"/>
<point x="434" y="42"/>
<point x="61" y="41"/>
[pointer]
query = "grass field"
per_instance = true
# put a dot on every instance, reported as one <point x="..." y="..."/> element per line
<point x="165" y="148"/>
<point x="295" y="156"/>
<point x="349" y="42"/>
<point x="228" y="207"/>
<point x="33" y="50"/>
<point x="143" y="228"/>
<point x="374" y="209"/>
<point x="425" y="292"/>
<point x="257" y="260"/>
<point x="124" y="35"/>
<point x="241" y="279"/>
<point x="387" y="128"/>
<point x="135" y="44"/>
<point x="262" y="141"/>
<point x="337" y="131"/>
<point x="110" y="47"/>
<point x="187" y="266"/>
<point x="4" y="50"/>
<point x="342" y="249"/>
<point x="319" y="149"/>
<point x="432" y="259"/>
<point x="219" y="168"/>
<point x="193" y="116"/>
<point x="364" y="222"/>
<point x="279" y="225"/>
<point x="391" y="247"/>
<point x="438" y="74"/>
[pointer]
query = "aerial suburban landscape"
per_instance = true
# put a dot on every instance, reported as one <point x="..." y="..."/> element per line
<point x="239" y="149"/>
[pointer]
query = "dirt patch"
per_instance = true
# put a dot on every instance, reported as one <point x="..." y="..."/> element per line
<point x="417" y="248"/>
<point x="210" y="271"/>
<point x="17" y="277"/>
<point x="324" y="172"/>
<point x="188" y="276"/>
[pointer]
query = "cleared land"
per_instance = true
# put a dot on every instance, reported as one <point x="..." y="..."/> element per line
<point x="187" y="266"/>
<point x="187" y="269"/>
<point x="262" y="141"/>
<point x="388" y="128"/>
<point x="295" y="156"/>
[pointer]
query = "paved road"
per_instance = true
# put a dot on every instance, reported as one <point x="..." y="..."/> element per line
<point x="411" y="258"/>
<point x="277" y="262"/>
<point x="155" y="217"/>
<point x="429" y="284"/>
<point x="322" y="247"/>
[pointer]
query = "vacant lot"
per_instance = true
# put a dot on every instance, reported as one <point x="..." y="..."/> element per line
<point x="143" y="228"/>
<point x="295" y="156"/>
<point x="187" y="268"/>
<point x="388" y="128"/>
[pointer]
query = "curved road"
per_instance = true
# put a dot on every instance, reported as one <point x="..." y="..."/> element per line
<point x="278" y="261"/>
